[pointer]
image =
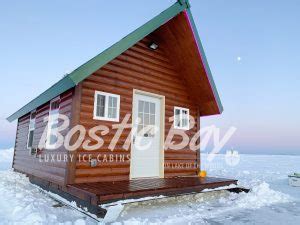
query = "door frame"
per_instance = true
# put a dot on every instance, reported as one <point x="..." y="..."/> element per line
<point x="162" y="129"/>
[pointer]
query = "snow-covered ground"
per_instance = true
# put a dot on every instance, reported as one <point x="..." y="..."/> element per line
<point x="271" y="200"/>
<point x="21" y="203"/>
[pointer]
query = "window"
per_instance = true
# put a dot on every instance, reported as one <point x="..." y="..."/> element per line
<point x="106" y="106"/>
<point x="31" y="130"/>
<point x="146" y="115"/>
<point x="181" y="118"/>
<point x="53" y="124"/>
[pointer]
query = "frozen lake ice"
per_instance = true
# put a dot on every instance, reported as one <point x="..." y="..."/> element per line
<point x="271" y="201"/>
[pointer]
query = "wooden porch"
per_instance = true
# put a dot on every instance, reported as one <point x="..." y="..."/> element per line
<point x="106" y="192"/>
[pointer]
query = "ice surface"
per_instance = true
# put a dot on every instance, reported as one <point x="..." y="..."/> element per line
<point x="22" y="203"/>
<point x="271" y="201"/>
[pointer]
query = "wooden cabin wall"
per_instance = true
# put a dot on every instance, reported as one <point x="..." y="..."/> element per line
<point x="29" y="164"/>
<point x="143" y="69"/>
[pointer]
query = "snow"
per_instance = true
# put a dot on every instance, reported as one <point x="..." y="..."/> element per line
<point x="113" y="213"/>
<point x="23" y="203"/>
<point x="271" y="200"/>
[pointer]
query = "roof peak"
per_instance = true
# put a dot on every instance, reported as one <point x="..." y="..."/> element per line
<point x="184" y="2"/>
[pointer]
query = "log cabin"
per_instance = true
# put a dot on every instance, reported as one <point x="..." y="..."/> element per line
<point x="157" y="72"/>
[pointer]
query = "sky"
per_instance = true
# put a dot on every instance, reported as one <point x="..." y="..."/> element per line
<point x="252" y="48"/>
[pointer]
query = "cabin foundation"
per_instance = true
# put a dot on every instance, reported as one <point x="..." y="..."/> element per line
<point x="92" y="195"/>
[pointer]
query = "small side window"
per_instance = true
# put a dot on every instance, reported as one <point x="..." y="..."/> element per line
<point x="181" y="118"/>
<point x="52" y="124"/>
<point x="31" y="130"/>
<point x="106" y="106"/>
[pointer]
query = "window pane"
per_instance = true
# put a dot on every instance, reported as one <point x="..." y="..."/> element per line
<point x="30" y="139"/>
<point x="141" y="106"/>
<point x="32" y="116"/>
<point x="100" y="105"/>
<point x="52" y="126"/>
<point x="152" y="108"/>
<point x="101" y="100"/>
<point x="100" y="111"/>
<point x="177" y="121"/>
<point x="146" y="109"/>
<point x="112" y="107"/>
<point x="112" y="101"/>
<point x="109" y="111"/>
<point x="177" y="117"/>
<point x="146" y="119"/>
<point x="54" y="105"/>
<point x="184" y="122"/>
<point x="32" y="121"/>
<point x="31" y="124"/>
<point x="53" y="119"/>
<point x="112" y="112"/>
<point x="152" y="119"/>
<point x="141" y="118"/>
<point x="114" y="115"/>
<point x="185" y="118"/>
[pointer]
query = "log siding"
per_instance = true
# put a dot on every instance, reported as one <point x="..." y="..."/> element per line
<point x="25" y="162"/>
<point x="143" y="69"/>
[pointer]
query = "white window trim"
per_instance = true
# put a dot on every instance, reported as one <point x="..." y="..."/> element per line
<point x="30" y="129"/>
<point x="48" y="145"/>
<point x="180" y="118"/>
<point x="105" y="117"/>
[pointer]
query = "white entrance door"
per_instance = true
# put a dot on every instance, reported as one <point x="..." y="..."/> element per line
<point x="145" y="150"/>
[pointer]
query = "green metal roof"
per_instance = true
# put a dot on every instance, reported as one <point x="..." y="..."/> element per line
<point x="82" y="72"/>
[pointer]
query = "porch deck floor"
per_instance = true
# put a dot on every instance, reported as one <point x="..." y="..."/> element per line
<point x="105" y="192"/>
